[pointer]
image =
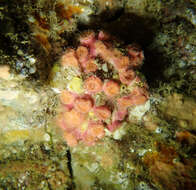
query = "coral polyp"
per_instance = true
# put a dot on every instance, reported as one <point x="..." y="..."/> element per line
<point x="93" y="85"/>
<point x="111" y="88"/>
<point x="102" y="86"/>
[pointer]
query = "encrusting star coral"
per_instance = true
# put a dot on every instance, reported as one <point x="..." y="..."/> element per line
<point x="105" y="84"/>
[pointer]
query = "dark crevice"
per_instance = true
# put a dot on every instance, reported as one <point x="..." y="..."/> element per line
<point x="104" y="16"/>
<point x="131" y="28"/>
<point x="155" y="64"/>
<point x="69" y="165"/>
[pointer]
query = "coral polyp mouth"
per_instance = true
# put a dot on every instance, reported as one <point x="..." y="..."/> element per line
<point x="100" y="105"/>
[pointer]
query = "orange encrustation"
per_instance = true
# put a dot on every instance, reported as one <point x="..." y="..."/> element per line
<point x="102" y="51"/>
<point x="114" y="125"/>
<point x="96" y="130"/>
<point x="89" y="140"/>
<point x="67" y="97"/>
<point x="70" y="11"/>
<point x="122" y="62"/>
<point x="108" y="87"/>
<point x="140" y="90"/>
<point x="103" y="36"/>
<point x="69" y="59"/>
<point x="93" y="84"/>
<point x="83" y="105"/>
<point x="119" y="114"/>
<point x="102" y="112"/>
<point x="124" y="102"/>
<point x="60" y="121"/>
<point x="73" y="118"/>
<point x="136" y="55"/>
<point x="87" y="38"/>
<point x="70" y="139"/>
<point x="111" y="88"/>
<point x="138" y="100"/>
<point x="116" y="52"/>
<point x="90" y="66"/>
<point x="127" y="76"/>
<point x="82" y="53"/>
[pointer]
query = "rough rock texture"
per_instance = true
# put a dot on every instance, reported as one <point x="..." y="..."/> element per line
<point x="37" y="166"/>
<point x="158" y="152"/>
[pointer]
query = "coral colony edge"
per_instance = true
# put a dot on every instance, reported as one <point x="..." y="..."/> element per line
<point x="103" y="85"/>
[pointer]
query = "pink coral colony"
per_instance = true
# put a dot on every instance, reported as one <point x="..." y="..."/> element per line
<point x="81" y="119"/>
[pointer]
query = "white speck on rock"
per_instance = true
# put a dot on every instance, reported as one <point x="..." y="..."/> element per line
<point x="141" y="152"/>
<point x="56" y="90"/>
<point x="119" y="133"/>
<point x="8" y="94"/>
<point x="47" y="137"/>
<point x="139" y="111"/>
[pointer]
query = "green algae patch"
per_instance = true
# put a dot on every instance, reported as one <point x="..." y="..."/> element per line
<point x="35" y="135"/>
<point x="61" y="77"/>
<point x="15" y="135"/>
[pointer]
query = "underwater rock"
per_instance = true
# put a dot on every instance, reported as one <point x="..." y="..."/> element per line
<point x="149" y="146"/>
<point x="38" y="166"/>
<point x="28" y="157"/>
<point x="83" y="117"/>
<point x="180" y="109"/>
<point x="166" y="169"/>
<point x="22" y="108"/>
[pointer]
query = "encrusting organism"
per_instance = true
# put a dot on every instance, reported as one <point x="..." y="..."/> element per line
<point x="100" y="103"/>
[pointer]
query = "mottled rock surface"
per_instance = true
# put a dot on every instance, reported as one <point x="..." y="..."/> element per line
<point x="156" y="152"/>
